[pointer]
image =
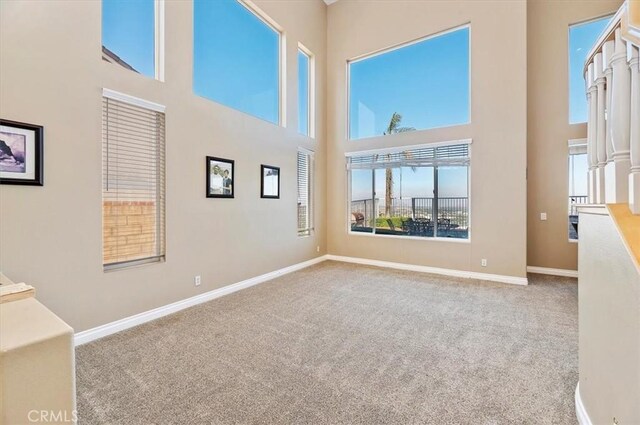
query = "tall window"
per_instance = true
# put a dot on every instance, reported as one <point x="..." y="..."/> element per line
<point x="236" y="58"/>
<point x="130" y="34"/>
<point x="578" y="170"/>
<point x="581" y="38"/>
<point x="426" y="82"/>
<point x="305" y="192"/>
<point x="133" y="181"/>
<point x="305" y="90"/>
<point x="421" y="192"/>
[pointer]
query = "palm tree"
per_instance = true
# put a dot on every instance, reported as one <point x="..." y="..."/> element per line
<point x="392" y="128"/>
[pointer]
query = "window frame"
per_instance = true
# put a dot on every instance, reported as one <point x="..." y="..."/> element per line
<point x="403" y="148"/>
<point x="364" y="56"/>
<point x="574" y="144"/>
<point x="158" y="40"/>
<point x="311" y="92"/>
<point x="161" y="258"/>
<point x="311" y="192"/>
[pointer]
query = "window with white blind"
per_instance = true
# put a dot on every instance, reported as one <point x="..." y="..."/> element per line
<point x="305" y="191"/>
<point x="133" y="181"/>
<point x="421" y="191"/>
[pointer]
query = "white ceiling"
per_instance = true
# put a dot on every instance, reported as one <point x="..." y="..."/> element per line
<point x="328" y="2"/>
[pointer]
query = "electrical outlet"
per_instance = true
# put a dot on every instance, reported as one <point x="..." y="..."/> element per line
<point x="543" y="216"/>
<point x="197" y="281"/>
<point x="483" y="262"/>
<point x="318" y="248"/>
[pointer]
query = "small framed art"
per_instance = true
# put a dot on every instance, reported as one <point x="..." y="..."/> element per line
<point x="270" y="182"/>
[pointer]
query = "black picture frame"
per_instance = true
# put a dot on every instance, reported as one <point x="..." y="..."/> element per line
<point x="35" y="158"/>
<point x="221" y="189"/>
<point x="263" y="192"/>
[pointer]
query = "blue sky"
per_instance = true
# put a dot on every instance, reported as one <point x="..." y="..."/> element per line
<point x="426" y="82"/>
<point x="236" y="58"/>
<point x="581" y="39"/>
<point x="303" y="93"/>
<point x="411" y="183"/>
<point x="128" y="30"/>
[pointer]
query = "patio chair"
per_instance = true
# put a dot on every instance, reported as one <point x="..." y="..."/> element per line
<point x="358" y="219"/>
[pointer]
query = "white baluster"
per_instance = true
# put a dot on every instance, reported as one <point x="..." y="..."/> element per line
<point x="601" y="147"/>
<point x="607" y="52"/>
<point x="634" y="176"/>
<point x="592" y="151"/>
<point x="617" y="172"/>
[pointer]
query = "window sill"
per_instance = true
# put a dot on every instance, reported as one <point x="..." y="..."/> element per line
<point x="415" y="238"/>
<point x="108" y="268"/>
<point x="306" y="235"/>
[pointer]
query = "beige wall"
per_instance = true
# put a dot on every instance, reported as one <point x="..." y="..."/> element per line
<point x="498" y="128"/>
<point x="548" y="125"/>
<point x="609" y="311"/>
<point x="51" y="73"/>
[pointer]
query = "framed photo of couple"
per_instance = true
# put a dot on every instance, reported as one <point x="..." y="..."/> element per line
<point x="220" y="177"/>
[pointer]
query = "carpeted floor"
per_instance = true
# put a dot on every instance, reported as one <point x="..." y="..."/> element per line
<point x="341" y="343"/>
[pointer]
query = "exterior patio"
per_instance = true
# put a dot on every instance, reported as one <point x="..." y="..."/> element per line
<point x="412" y="217"/>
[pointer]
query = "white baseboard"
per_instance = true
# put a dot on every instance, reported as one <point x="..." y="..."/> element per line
<point x="581" y="412"/>
<point x="138" y="319"/>
<point x="435" y="270"/>
<point x="553" y="272"/>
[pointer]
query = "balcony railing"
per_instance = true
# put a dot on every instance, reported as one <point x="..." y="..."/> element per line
<point x="412" y="216"/>
<point x="612" y="78"/>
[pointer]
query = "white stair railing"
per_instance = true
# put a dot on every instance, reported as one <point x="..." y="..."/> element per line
<point x="612" y="78"/>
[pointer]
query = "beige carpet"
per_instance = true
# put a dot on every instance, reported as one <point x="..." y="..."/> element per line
<point x="339" y="343"/>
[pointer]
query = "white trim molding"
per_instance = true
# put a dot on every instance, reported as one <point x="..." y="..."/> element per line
<point x="156" y="313"/>
<point x="132" y="100"/>
<point x="581" y="412"/>
<point x="552" y="272"/>
<point x="515" y="280"/>
<point x="147" y="316"/>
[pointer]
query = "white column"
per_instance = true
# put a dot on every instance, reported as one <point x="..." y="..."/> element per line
<point x="592" y="152"/>
<point x="601" y="136"/>
<point x="634" y="177"/>
<point x="617" y="172"/>
<point x="607" y="52"/>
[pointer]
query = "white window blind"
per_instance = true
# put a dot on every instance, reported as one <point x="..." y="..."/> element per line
<point x="305" y="207"/>
<point x="447" y="155"/>
<point x="133" y="158"/>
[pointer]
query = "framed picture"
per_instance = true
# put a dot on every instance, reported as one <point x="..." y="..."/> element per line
<point x="270" y="182"/>
<point x="20" y="153"/>
<point x="220" y="177"/>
